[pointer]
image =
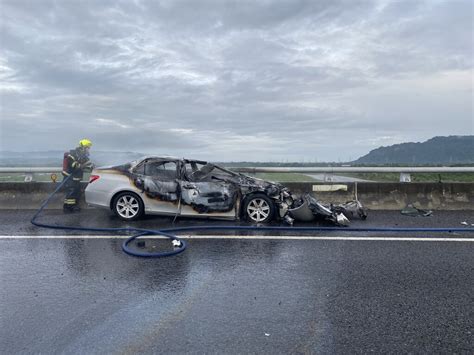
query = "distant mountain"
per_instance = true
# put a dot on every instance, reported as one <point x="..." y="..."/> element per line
<point x="437" y="150"/>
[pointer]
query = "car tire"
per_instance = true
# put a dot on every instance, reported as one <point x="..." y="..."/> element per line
<point x="128" y="206"/>
<point x="258" y="208"/>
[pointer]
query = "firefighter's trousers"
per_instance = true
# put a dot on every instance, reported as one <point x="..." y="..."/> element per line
<point x="73" y="193"/>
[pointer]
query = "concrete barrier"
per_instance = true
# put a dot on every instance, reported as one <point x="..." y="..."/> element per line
<point x="375" y="196"/>
<point x="395" y="195"/>
<point x="29" y="195"/>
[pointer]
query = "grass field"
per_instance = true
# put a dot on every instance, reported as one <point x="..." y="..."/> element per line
<point x="420" y="177"/>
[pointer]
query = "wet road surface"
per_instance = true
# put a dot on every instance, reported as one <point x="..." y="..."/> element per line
<point x="235" y="296"/>
<point x="17" y="222"/>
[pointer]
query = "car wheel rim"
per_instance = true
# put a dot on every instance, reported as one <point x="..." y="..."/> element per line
<point x="258" y="209"/>
<point x="128" y="206"/>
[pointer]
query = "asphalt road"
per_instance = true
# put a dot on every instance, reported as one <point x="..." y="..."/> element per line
<point x="17" y="222"/>
<point x="235" y="296"/>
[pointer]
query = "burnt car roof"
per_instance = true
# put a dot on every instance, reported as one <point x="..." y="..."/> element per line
<point x="168" y="157"/>
<point x="158" y="157"/>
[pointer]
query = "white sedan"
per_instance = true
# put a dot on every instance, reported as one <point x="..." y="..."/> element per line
<point x="173" y="186"/>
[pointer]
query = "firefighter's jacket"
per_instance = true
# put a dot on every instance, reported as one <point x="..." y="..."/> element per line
<point x="76" y="162"/>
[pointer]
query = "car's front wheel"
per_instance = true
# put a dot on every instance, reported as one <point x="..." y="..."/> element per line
<point x="259" y="208"/>
<point x="128" y="206"/>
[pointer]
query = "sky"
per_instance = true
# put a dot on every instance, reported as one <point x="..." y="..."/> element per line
<point x="244" y="80"/>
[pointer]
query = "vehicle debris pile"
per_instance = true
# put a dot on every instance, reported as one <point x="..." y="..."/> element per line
<point x="198" y="188"/>
<point x="307" y="208"/>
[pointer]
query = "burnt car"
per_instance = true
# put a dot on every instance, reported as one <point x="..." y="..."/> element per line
<point x="183" y="187"/>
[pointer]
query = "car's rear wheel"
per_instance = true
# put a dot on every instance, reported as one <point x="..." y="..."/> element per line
<point x="259" y="208"/>
<point x="128" y="206"/>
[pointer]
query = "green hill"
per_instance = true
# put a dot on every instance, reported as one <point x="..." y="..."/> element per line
<point x="438" y="150"/>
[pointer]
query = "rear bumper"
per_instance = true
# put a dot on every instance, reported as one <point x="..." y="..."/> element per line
<point x="97" y="198"/>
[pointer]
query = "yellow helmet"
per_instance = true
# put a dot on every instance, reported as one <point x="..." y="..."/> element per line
<point x="85" y="143"/>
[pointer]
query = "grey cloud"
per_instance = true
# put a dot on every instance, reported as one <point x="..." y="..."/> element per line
<point x="235" y="79"/>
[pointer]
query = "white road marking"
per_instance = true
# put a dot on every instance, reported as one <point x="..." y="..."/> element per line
<point x="251" y="237"/>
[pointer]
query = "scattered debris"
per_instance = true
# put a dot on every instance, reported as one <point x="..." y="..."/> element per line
<point x="288" y="220"/>
<point x="412" y="211"/>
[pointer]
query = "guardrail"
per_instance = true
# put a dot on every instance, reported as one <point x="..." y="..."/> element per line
<point x="29" y="171"/>
<point x="328" y="171"/>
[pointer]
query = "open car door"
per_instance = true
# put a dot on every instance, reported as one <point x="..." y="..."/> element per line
<point x="205" y="191"/>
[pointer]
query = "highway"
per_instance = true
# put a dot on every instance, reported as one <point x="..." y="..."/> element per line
<point x="349" y="293"/>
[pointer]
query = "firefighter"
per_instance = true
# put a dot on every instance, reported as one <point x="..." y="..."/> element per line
<point x="75" y="163"/>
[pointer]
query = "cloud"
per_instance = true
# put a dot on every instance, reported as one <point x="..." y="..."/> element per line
<point x="236" y="80"/>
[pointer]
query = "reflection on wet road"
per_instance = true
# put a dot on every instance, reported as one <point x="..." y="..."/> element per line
<point x="236" y="296"/>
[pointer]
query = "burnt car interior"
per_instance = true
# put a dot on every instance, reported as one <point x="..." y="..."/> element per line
<point x="165" y="170"/>
<point x="157" y="178"/>
<point x="204" y="187"/>
<point x="195" y="172"/>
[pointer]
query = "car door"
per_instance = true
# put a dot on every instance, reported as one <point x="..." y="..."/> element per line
<point x="158" y="183"/>
<point x="204" y="191"/>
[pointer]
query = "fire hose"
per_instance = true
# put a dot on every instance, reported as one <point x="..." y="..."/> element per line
<point x="181" y="244"/>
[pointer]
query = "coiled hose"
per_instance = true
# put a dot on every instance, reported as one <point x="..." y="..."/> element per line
<point x="170" y="232"/>
<point x="139" y="231"/>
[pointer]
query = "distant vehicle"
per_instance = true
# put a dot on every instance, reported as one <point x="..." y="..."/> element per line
<point x="183" y="187"/>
